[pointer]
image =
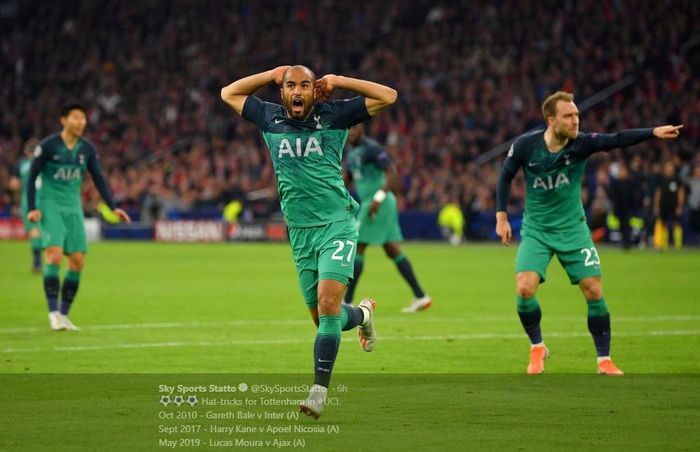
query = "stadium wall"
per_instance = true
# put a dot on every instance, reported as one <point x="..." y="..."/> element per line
<point x="414" y="225"/>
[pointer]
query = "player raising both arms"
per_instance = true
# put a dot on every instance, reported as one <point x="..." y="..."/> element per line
<point x="371" y="169"/>
<point x="62" y="159"/>
<point x="554" y="222"/>
<point x="306" y="140"/>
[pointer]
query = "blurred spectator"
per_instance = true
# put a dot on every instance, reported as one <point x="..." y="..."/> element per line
<point x="470" y="75"/>
<point x="625" y="194"/>
<point x="693" y="182"/>
<point x="669" y="200"/>
<point x="451" y="222"/>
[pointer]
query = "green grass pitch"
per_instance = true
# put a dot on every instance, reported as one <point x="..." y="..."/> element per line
<point x="438" y="380"/>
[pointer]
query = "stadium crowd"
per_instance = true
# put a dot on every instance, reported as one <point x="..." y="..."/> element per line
<point x="471" y="75"/>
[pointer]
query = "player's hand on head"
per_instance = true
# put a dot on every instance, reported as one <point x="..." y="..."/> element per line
<point x="667" y="132"/>
<point x="278" y="73"/>
<point x="324" y="86"/>
<point x="122" y="215"/>
<point x="34" y="215"/>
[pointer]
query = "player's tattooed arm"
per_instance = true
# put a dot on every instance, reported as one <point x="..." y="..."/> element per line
<point x="377" y="97"/>
<point x="237" y="92"/>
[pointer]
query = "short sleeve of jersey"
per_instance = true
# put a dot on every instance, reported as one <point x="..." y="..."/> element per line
<point x="349" y="112"/>
<point x="380" y="157"/>
<point x="254" y="111"/>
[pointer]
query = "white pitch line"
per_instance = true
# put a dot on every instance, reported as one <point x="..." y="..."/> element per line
<point x="164" y="325"/>
<point x="398" y="319"/>
<point x="455" y="337"/>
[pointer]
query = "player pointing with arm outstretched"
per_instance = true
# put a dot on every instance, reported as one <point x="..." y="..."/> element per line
<point x="554" y="221"/>
<point x="306" y="139"/>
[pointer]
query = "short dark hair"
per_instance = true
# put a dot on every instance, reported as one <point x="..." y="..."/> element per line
<point x="299" y="66"/>
<point x="70" y="106"/>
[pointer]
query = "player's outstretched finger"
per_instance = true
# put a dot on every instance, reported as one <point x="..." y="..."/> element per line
<point x="674" y="131"/>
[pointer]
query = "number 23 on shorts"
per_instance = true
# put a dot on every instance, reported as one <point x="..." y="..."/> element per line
<point x="592" y="257"/>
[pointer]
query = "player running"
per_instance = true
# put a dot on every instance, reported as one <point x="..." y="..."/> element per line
<point x="371" y="169"/>
<point x="306" y="140"/>
<point x="554" y="222"/>
<point x="18" y="182"/>
<point x="61" y="160"/>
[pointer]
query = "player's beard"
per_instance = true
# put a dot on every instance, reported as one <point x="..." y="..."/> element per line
<point x="573" y="132"/>
<point x="298" y="107"/>
<point x="564" y="134"/>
